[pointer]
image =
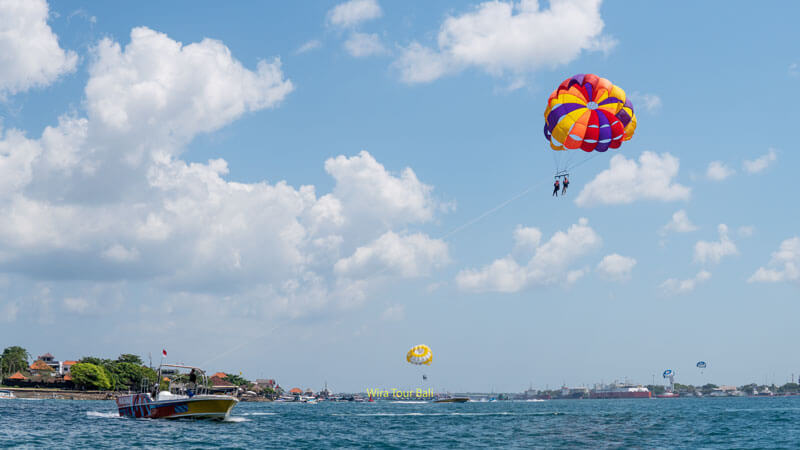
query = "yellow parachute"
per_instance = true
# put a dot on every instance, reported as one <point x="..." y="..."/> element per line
<point x="420" y="355"/>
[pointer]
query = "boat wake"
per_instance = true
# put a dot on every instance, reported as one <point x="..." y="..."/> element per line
<point x="236" y="419"/>
<point x="257" y="414"/>
<point x="103" y="415"/>
<point x="500" y="413"/>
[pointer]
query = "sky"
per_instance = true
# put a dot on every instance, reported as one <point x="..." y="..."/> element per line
<point x="305" y="192"/>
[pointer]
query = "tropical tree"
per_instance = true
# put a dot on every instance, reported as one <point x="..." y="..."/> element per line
<point x="129" y="358"/>
<point x="237" y="380"/>
<point x="92" y="376"/>
<point x="14" y="359"/>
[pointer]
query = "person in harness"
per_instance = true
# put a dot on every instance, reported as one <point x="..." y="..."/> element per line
<point x="566" y="184"/>
<point x="555" y="188"/>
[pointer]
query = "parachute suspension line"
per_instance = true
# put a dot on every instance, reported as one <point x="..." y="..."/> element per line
<point x="583" y="161"/>
<point x="491" y="211"/>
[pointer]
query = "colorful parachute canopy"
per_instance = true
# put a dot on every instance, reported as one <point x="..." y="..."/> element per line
<point x="419" y="355"/>
<point x="589" y="113"/>
<point x="667" y="373"/>
<point x="701" y="364"/>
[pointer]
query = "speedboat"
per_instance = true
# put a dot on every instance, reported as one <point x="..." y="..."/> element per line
<point x="179" y="401"/>
<point x="4" y="394"/>
<point x="448" y="399"/>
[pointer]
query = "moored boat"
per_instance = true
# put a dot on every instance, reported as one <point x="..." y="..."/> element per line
<point x="451" y="400"/>
<point x="181" y="401"/>
<point x="4" y="394"/>
<point x="620" y="391"/>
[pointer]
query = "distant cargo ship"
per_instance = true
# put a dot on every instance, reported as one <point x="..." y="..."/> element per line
<point x="621" y="391"/>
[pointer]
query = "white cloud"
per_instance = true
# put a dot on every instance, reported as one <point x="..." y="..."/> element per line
<point x="118" y="253"/>
<point x="29" y="52"/>
<point x="718" y="171"/>
<point x="170" y="92"/>
<point x="549" y="264"/>
<point x="626" y="181"/>
<point x="527" y="237"/>
<point x="76" y="305"/>
<point x="759" y="164"/>
<point x="714" y="251"/>
<point x="616" y="267"/>
<point x="361" y="45"/>
<point x="503" y="37"/>
<point x="783" y="266"/>
<point x="309" y="46"/>
<point x="109" y="194"/>
<point x="354" y="12"/>
<point x="394" y="313"/>
<point x="407" y="256"/>
<point x="680" y="223"/>
<point x="368" y="190"/>
<point x="674" y="286"/>
<point x="646" y="102"/>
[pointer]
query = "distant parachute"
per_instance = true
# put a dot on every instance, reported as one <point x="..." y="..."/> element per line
<point x="701" y="364"/>
<point x="420" y="355"/>
<point x="668" y="373"/>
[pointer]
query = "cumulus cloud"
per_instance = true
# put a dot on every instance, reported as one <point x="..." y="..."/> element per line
<point x="674" y="286"/>
<point x="30" y="55"/>
<point x="527" y="237"/>
<point x="370" y="192"/>
<point x="718" y="171"/>
<point x="361" y="45"/>
<point x="616" y="267"/>
<point x="354" y="12"/>
<point x="407" y="256"/>
<point x="759" y="164"/>
<point x="714" y="251"/>
<point x="550" y="263"/>
<point x="106" y="198"/>
<point x="503" y="37"/>
<point x="171" y="92"/>
<point x="680" y="223"/>
<point x="783" y="266"/>
<point x="626" y="181"/>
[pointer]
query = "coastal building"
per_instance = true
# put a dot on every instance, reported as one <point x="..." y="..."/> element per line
<point x="40" y="367"/>
<point x="220" y="375"/>
<point x="66" y="366"/>
<point x="18" y="376"/>
<point x="219" y="384"/>
<point x="54" y="364"/>
<point x="264" y="383"/>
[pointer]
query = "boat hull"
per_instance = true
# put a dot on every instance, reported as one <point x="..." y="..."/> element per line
<point x="216" y="407"/>
<point x="452" y="400"/>
<point x="621" y="394"/>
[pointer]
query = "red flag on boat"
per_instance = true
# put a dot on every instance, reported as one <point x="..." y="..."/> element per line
<point x="164" y="352"/>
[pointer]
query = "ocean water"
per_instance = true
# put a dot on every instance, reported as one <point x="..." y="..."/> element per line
<point x="655" y="423"/>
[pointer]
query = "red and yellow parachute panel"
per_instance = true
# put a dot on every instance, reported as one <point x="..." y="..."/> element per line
<point x="589" y="113"/>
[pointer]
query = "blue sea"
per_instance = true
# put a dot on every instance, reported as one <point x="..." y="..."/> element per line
<point x="655" y="423"/>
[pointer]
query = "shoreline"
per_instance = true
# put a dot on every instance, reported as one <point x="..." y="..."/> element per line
<point x="65" y="394"/>
<point x="60" y="394"/>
